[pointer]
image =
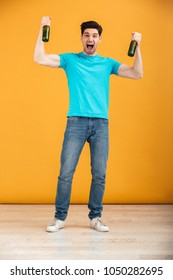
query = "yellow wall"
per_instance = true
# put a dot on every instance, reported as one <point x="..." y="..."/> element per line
<point x="34" y="100"/>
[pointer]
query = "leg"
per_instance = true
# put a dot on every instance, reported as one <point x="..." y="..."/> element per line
<point x="98" y="141"/>
<point x="74" y="139"/>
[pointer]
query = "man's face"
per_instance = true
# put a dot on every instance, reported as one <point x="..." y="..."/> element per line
<point x="90" y="40"/>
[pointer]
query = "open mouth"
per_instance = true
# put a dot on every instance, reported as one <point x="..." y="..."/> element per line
<point x="90" y="46"/>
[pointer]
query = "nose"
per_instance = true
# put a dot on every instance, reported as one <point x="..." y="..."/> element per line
<point x="90" y="39"/>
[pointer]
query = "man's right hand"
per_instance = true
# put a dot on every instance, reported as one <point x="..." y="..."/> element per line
<point x="46" y="20"/>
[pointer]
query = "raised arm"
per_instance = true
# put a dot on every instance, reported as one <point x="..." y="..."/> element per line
<point x="40" y="55"/>
<point x="136" y="70"/>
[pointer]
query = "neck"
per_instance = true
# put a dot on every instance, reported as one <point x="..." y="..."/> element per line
<point x="93" y="54"/>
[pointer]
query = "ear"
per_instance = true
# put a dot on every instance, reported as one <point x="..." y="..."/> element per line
<point x="100" y="39"/>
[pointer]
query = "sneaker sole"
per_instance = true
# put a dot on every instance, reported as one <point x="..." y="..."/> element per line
<point x="56" y="230"/>
<point x="107" y="230"/>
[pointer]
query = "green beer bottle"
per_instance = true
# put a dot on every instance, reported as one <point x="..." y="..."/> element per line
<point x="46" y="33"/>
<point x="132" y="48"/>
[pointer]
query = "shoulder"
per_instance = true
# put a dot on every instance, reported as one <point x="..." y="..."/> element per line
<point x="114" y="65"/>
<point x="66" y="55"/>
<point x="112" y="60"/>
<point x="65" y="58"/>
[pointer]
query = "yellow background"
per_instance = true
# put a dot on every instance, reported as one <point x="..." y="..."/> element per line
<point x="34" y="101"/>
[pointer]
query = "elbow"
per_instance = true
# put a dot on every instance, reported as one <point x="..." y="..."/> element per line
<point x="139" y="75"/>
<point x="35" y="60"/>
<point x="38" y="60"/>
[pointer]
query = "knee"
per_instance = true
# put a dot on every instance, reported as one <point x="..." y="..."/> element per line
<point x="66" y="174"/>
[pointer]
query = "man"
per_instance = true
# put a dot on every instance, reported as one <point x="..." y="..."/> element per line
<point x="88" y="80"/>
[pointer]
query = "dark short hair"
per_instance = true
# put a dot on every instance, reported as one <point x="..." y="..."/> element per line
<point x="91" y="24"/>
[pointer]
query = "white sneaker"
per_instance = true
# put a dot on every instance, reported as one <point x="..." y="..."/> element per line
<point x="98" y="225"/>
<point x="55" y="225"/>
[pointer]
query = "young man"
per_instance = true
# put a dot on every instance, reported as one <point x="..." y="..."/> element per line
<point x="88" y="80"/>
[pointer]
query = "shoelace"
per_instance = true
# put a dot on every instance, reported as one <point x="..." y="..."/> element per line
<point x="54" y="222"/>
<point x="101" y="223"/>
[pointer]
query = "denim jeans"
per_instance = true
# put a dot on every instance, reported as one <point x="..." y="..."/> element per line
<point x="80" y="130"/>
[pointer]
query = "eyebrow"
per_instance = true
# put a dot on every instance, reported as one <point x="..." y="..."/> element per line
<point x="87" y="33"/>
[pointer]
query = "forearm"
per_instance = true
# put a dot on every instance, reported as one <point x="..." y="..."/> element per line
<point x="39" y="52"/>
<point x="138" y="65"/>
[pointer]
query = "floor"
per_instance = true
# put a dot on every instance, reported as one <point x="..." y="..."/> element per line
<point x="137" y="232"/>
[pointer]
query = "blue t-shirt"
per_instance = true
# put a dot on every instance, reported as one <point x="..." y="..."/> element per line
<point x="88" y="82"/>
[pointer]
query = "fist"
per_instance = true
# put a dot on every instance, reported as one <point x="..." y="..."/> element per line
<point x="46" y="20"/>
<point x="137" y="37"/>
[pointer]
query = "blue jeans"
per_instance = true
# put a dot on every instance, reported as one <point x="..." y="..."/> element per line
<point x="78" y="131"/>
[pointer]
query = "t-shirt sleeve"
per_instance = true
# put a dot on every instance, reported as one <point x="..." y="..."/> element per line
<point x="64" y="58"/>
<point x="115" y="66"/>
